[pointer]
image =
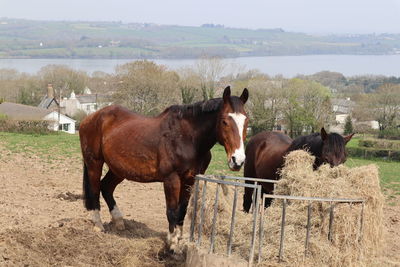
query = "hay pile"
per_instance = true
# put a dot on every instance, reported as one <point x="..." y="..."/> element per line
<point x="299" y="179"/>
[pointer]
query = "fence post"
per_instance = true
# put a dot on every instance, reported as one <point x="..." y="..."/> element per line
<point x="229" y="251"/>
<point x="202" y="213"/>
<point x="309" y="210"/>
<point x="282" y="229"/>
<point x="261" y="229"/>
<point x="255" y="215"/>
<point x="214" y="222"/>
<point x="194" y="217"/>
<point x="331" y="215"/>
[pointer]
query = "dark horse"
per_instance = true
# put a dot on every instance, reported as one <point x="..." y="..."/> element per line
<point x="171" y="148"/>
<point x="265" y="154"/>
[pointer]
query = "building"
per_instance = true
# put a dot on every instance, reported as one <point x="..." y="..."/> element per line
<point x="343" y="108"/>
<point x="87" y="102"/>
<point x="56" y="120"/>
<point x="49" y="101"/>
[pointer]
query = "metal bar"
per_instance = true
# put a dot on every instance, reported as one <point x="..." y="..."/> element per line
<point x="198" y="177"/>
<point x="194" y="217"/>
<point x="214" y="222"/>
<point x="361" y="222"/>
<point x="331" y="215"/>
<point x="203" y="197"/>
<point x="255" y="215"/>
<point x="282" y="229"/>
<point x="261" y="229"/>
<point x="229" y="250"/>
<point x="309" y="211"/>
<point x="343" y="200"/>
<point x="248" y="179"/>
<point x="253" y="199"/>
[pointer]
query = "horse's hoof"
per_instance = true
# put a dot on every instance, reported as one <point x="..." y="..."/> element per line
<point x="119" y="224"/>
<point x="175" y="249"/>
<point x="98" y="228"/>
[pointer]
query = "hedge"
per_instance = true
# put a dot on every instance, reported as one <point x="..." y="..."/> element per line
<point x="380" y="144"/>
<point x="24" y="126"/>
<point x="364" y="152"/>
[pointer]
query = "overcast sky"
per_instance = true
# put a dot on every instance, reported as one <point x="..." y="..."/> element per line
<point x="311" y="16"/>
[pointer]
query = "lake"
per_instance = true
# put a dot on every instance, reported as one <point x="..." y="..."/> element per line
<point x="288" y="66"/>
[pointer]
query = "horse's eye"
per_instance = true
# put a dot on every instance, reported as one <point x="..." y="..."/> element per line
<point x="224" y="122"/>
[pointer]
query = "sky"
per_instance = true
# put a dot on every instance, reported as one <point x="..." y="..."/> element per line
<point x="309" y="16"/>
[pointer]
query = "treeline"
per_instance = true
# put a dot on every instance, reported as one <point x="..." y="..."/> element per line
<point x="299" y="105"/>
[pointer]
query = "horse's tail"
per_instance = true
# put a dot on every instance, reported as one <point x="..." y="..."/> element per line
<point x="87" y="190"/>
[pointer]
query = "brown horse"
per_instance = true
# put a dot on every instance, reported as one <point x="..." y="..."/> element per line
<point x="171" y="148"/>
<point x="265" y="154"/>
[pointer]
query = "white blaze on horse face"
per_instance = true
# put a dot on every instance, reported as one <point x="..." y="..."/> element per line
<point x="239" y="154"/>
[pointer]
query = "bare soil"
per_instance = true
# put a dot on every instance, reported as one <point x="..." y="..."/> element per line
<point x="43" y="221"/>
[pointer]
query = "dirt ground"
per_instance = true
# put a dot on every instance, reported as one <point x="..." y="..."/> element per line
<point x="43" y="222"/>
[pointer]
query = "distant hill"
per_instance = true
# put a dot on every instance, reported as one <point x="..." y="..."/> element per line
<point x="79" y="39"/>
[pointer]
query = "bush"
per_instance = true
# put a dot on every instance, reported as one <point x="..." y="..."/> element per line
<point x="23" y="126"/>
<point x="78" y="117"/>
<point x="392" y="133"/>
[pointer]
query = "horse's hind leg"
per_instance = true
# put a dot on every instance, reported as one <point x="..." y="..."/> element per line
<point x="91" y="189"/>
<point x="108" y="184"/>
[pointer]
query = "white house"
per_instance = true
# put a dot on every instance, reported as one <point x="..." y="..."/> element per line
<point x="87" y="102"/>
<point x="342" y="109"/>
<point x="57" y="121"/>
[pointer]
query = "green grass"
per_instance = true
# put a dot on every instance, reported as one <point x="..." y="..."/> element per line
<point x="51" y="146"/>
<point x="58" y="146"/>
<point x="389" y="172"/>
<point x="219" y="163"/>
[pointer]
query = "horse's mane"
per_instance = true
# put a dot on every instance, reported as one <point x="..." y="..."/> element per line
<point x="196" y="109"/>
<point x="313" y="143"/>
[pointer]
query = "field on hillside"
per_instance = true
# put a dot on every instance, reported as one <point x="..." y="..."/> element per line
<point x="43" y="221"/>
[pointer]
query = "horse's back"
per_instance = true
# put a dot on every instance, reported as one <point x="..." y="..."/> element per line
<point x="264" y="154"/>
<point x="95" y="125"/>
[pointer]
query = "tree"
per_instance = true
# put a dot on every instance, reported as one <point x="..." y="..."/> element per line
<point x="385" y="104"/>
<point x="209" y="71"/>
<point x="63" y="77"/>
<point x="145" y="87"/>
<point x="189" y="85"/>
<point x="265" y="104"/>
<point x="307" y="106"/>
<point x="348" y="126"/>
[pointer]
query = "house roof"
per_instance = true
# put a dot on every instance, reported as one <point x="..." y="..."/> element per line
<point x="46" y="102"/>
<point x="16" y="111"/>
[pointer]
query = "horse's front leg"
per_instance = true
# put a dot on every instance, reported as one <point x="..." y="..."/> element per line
<point x="172" y="188"/>
<point x="186" y="189"/>
<point x="247" y="197"/>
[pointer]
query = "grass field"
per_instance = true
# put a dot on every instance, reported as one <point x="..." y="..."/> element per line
<point x="56" y="147"/>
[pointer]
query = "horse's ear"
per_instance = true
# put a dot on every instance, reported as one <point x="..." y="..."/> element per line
<point x="324" y="135"/>
<point x="347" y="138"/>
<point x="244" y="96"/>
<point x="227" y="94"/>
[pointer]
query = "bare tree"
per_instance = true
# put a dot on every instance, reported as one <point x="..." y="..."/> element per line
<point x="209" y="71"/>
<point x="146" y="87"/>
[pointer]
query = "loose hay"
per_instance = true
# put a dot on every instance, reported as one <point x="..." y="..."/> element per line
<point x="299" y="179"/>
<point x="75" y="243"/>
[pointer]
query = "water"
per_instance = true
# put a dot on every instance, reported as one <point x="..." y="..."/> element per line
<point x="288" y="66"/>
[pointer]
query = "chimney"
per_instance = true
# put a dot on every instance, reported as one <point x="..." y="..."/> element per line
<point x="50" y="91"/>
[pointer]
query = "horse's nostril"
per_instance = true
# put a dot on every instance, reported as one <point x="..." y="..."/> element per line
<point x="234" y="159"/>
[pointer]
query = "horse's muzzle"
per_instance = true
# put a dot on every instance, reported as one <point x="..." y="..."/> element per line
<point x="234" y="165"/>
